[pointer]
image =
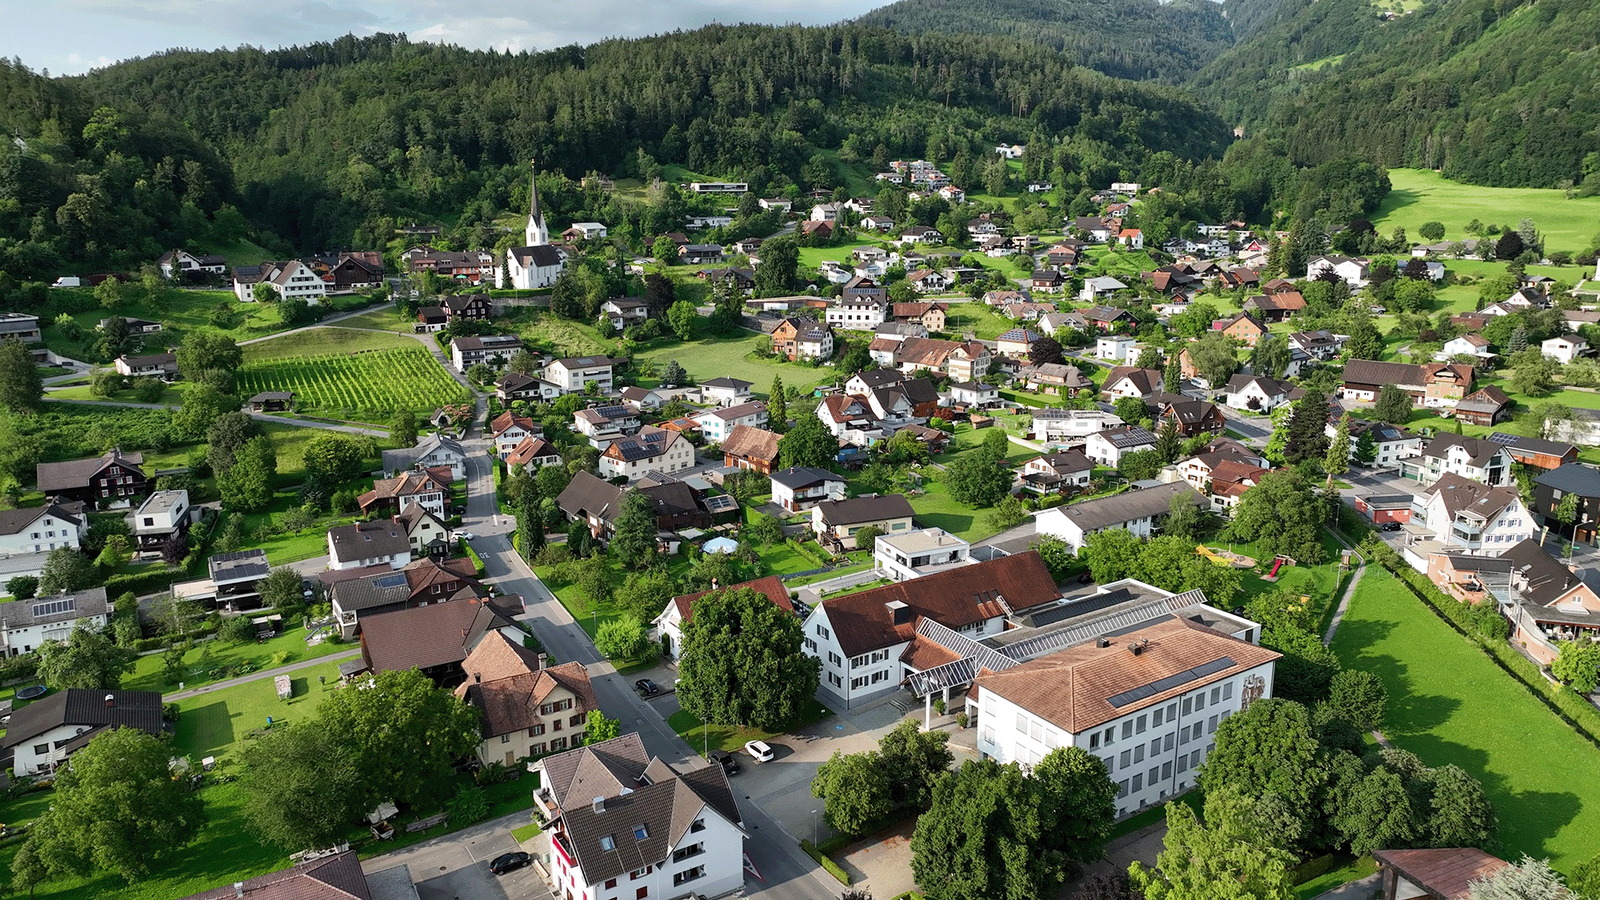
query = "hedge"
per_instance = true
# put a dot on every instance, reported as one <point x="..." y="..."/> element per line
<point x="472" y="554"/>
<point x="1569" y="706"/>
<point x="823" y="861"/>
<point x="143" y="582"/>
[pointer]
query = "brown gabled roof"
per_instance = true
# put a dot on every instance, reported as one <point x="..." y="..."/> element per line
<point x="1444" y="873"/>
<point x="509" y="419"/>
<point x="864" y="622"/>
<point x="529" y="449"/>
<point x="77" y="473"/>
<point x="1148" y="381"/>
<point x="506" y="682"/>
<point x="747" y="442"/>
<point x="770" y="587"/>
<point x="856" y="510"/>
<point x="337" y="877"/>
<point x="1087" y="685"/>
<point x="408" y="484"/>
<point x="426" y="636"/>
<point x="1374" y="372"/>
<point x="424" y="573"/>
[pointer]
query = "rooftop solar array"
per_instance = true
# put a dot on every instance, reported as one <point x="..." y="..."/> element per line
<point x="1162" y="685"/>
<point x="720" y="503"/>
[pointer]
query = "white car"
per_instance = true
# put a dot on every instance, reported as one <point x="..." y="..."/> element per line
<point x="466" y="536"/>
<point x="759" y="750"/>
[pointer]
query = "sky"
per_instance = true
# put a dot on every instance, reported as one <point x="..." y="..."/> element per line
<point x="69" y="37"/>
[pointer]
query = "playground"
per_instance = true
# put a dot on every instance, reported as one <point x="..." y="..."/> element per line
<point x="1226" y="557"/>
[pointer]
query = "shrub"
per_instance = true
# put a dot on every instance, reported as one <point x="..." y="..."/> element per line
<point x="826" y="863"/>
<point x="469" y="807"/>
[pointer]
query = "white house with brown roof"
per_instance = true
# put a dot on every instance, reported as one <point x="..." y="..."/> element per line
<point x="1472" y="517"/>
<point x="1146" y="702"/>
<point x="652" y="449"/>
<point x="718" y="424"/>
<point x="362" y="544"/>
<point x="680" y="609"/>
<point x="527" y="708"/>
<point x="837" y="521"/>
<point x="1137" y="511"/>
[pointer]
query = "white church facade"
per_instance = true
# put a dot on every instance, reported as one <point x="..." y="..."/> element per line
<point x="537" y="264"/>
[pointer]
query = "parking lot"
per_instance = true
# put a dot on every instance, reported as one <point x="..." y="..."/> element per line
<point x="457" y="866"/>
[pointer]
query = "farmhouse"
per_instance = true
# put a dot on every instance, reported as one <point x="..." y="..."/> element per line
<point x="430" y="488"/>
<point x="526" y="707"/>
<point x="750" y="448"/>
<point x="433" y="638"/>
<point x="114" y="474"/>
<point x="1436" y="385"/>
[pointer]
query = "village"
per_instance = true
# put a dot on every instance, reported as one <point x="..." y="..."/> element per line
<point x="853" y="485"/>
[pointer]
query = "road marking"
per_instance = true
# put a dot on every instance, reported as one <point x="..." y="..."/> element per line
<point x="750" y="867"/>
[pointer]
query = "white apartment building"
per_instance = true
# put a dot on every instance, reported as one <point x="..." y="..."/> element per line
<point x="1471" y="517"/>
<point x="40" y="529"/>
<point x="856" y="314"/>
<point x="1147" y="702"/>
<point x="573" y="373"/>
<point x="902" y="557"/>
<point x="717" y="424"/>
<point x="1477" y="459"/>
<point x="652" y="449"/>
<point x="1071" y="426"/>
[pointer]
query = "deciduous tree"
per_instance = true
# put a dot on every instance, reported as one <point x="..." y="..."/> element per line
<point x="622" y="638"/>
<point x="634" y="539"/>
<point x="87" y="659"/>
<point x="742" y="662"/>
<point x="977" y="479"/>
<point x="21" y="385"/>
<point x="1578" y="664"/>
<point x="1221" y="859"/>
<point x="598" y="729"/>
<point x="404" y="734"/>
<point x="66" y="570"/>
<point x="301" y="785"/>
<point x="808" y="443"/>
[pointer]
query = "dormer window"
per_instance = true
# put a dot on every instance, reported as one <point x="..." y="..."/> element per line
<point x="640" y="832"/>
<point x="608" y="842"/>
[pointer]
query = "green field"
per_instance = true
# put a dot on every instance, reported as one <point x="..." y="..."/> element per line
<point x="1450" y="704"/>
<point x="181" y="311"/>
<point x="149" y="671"/>
<point x="1422" y="196"/>
<point x="323" y="341"/>
<point x="367" y="386"/>
<point x="735" y="357"/>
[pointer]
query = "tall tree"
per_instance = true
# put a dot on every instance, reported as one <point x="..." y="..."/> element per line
<point x="21" y="385"/>
<point x="1172" y="376"/>
<point x="1222" y="859"/>
<point x="977" y="479"/>
<point x="302" y="786"/>
<point x="117" y="808"/>
<point x="633" y="541"/>
<point x="780" y="259"/>
<point x="1393" y="405"/>
<point x="1284" y="514"/>
<point x="247" y="486"/>
<point x="598" y="729"/>
<point x="226" y="436"/>
<point x="1169" y="443"/>
<point x="1337" y="459"/>
<point x="1213" y="356"/>
<point x="405" y="735"/>
<point x="808" y="443"/>
<point x="1270" y="357"/>
<point x="87" y="659"/>
<point x="66" y="569"/>
<point x="403" y="425"/>
<point x="1269" y="748"/>
<point x="743" y="662"/>
<point x="777" y="406"/>
<point x="855" y="789"/>
<point x="1307" y="437"/>
<point x="210" y="357"/>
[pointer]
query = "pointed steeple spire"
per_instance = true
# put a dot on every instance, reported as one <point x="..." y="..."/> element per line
<point x="537" y="234"/>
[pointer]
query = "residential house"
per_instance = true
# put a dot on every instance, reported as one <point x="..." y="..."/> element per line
<point x="917" y="554"/>
<point x="22" y="326"/>
<point x="725" y="391"/>
<point x="235" y="580"/>
<point x="163" y="516"/>
<point x="867" y="641"/>
<point x="1230" y="480"/>
<point x="700" y="254"/>
<point x="1391" y="445"/>
<point x="959" y="360"/>
<point x="1132" y="238"/>
<point x="624" y="311"/>
<point x="1536" y="453"/>
<point x="361" y="269"/>
<point x="1435" y="385"/>
<point x="1257" y="393"/>
<point x="1095" y="228"/>
<point x="292" y="278"/>
<point x="25" y="625"/>
<point x="1192" y="417"/>
<point x="1053" y="425"/>
<point x="1099" y="288"/>
<point x="432" y="451"/>
<point x="1323" y="344"/>
<point x="524" y="705"/>
<point x="925" y="280"/>
<point x="718" y="424"/>
<point x="1016" y="343"/>
<point x="427" y="533"/>
<point x="43" y="734"/>
<point x="1473" y="345"/>
<point x="155" y="365"/>
<point x="112" y="478"/>
<point x="1130" y="381"/>
<point x="1106" y="318"/>
<point x="1564" y="349"/>
<point x="896" y="332"/>
<point x="920" y="234"/>
<point x="880" y="224"/>
<point x="134" y="326"/>
<point x="592" y="501"/>
<point x="1049" y="281"/>
<point x="751" y="448"/>
<point x="1353" y="272"/>
<point x="517" y="386"/>
<point x="837" y="521"/>
<point x="1162" y="687"/>
<point x="850" y="419"/>
<point x="1382" y="509"/>
<point x="335" y="877"/>
<point x="368" y="594"/>
<point x="1137" y="511"/>
<point x="652" y="449"/>
<point x="1242" y="327"/>
<point x="645" y="399"/>
<point x="599" y="423"/>
<point x="1108" y="447"/>
<point x="623" y="824"/>
<point x="1476" y="459"/>
<point x="1114" y="347"/>
<point x="532" y="453"/>
<point x="35" y="531"/>
<point x="431" y="319"/>
<point x="363" y="544"/>
<point x="435" y="638"/>
<point x="974" y="395"/>
<point x="742" y="280"/>
<point x="797" y="339"/>
<point x="472" y="266"/>
<point x="1485" y="406"/>
<point x="1055" y="378"/>
<point x="1472" y="517"/>
<point x="748" y="246"/>
<point x="429" y="487"/>
<point x="508" y="429"/>
<point x="183" y="264"/>
<point x="1055" y="472"/>
<point x="1277" y="307"/>
<point x="680" y="610"/>
<point x="930" y="315"/>
<point x="800" y="487"/>
<point x="585" y="231"/>
<point x="476" y="308"/>
<point x="491" y="350"/>
<point x="1552" y="489"/>
<point x="1549" y="601"/>
<point x="572" y="374"/>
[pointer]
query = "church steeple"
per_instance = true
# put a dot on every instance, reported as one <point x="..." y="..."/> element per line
<point x="537" y="234"/>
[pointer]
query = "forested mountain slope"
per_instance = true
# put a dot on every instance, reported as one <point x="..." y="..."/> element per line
<point x="1138" y="39"/>
<point x="328" y="144"/>
<point x="1496" y="92"/>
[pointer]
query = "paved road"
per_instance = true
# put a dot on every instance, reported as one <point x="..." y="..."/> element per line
<point x="457" y="865"/>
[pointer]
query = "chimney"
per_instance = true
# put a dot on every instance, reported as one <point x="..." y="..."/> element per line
<point x="900" y="612"/>
<point x="542" y="659"/>
<point x="477" y="678"/>
<point x="238" y="889"/>
<point x="599" y="804"/>
<point x="1136" y="648"/>
<point x="111" y="701"/>
<point x="1103" y="643"/>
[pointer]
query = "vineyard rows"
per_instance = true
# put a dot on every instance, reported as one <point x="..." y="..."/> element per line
<point x="366" y="386"/>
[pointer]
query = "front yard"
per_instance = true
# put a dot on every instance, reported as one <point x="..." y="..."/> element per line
<point x="732" y="738"/>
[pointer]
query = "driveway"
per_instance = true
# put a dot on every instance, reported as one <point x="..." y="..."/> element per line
<point x="457" y="865"/>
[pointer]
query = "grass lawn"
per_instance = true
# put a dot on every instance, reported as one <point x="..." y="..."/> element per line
<point x="1450" y="704"/>
<point x="1422" y="196"/>
<point x="385" y="319"/>
<point x="182" y="311"/>
<point x="811" y="257"/>
<point x="1354" y="870"/>
<point x="171" y="395"/>
<point x="976" y="317"/>
<point x="835" y="573"/>
<point x="735" y="357"/>
<point x="1317" y="581"/>
<point x="149" y="672"/>
<point x="319" y="342"/>
<point x="214" y="724"/>
<point x="934" y="507"/>
<point x="566" y="337"/>
<point x="733" y="737"/>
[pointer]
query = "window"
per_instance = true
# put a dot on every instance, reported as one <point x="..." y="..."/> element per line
<point x="1094" y="741"/>
<point x="835" y="680"/>
<point x="683" y="853"/>
<point x="1166" y="771"/>
<point x="1122" y="788"/>
<point x="1138" y="753"/>
<point x="608" y="842"/>
<point x="1200" y="700"/>
<point x="1127" y="730"/>
<point x="505" y="738"/>
<point x="699" y="825"/>
<point x="1153" y="775"/>
<point x="611" y="883"/>
<point x="822" y="632"/>
<point x="1155" y="718"/>
<point x="1211" y="725"/>
<point x="1183" y="763"/>
<point x="688" y="875"/>
<point x="834" y="659"/>
<point x="1167" y="743"/>
<point x="1022" y="723"/>
<point x="1139" y="725"/>
<point x="537" y="730"/>
<point x="640" y="832"/>
<point x="1125" y="759"/>
<point x="41" y="749"/>
<point x="1216" y="695"/>
<point x="556" y="725"/>
<point x="559" y="743"/>
<point x="1227" y="691"/>
<point x="1155" y="746"/>
<point x="1111" y="734"/>
<point x="1187" y="706"/>
<point x="575" y="721"/>
<point x="1138" y="783"/>
<point x="642" y="893"/>
<point x="1035" y="729"/>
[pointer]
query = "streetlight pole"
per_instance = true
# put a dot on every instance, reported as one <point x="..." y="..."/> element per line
<point x="814" y="829"/>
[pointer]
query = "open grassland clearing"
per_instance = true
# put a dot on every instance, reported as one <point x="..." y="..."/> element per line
<point x="323" y="341"/>
<point x="1422" y="196"/>
<point x="734" y="357"/>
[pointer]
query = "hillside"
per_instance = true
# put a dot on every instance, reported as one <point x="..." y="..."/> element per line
<point x="1137" y="39"/>
<point x="1494" y="92"/>
<point x="329" y="144"/>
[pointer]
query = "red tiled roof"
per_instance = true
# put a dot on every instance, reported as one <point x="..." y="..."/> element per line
<point x="1444" y="873"/>
<point x="770" y="587"/>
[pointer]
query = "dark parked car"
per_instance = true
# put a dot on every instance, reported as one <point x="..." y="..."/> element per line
<point x="647" y="687"/>
<point x="1086" y="578"/>
<point x="1390" y="526"/>
<point x="728" y="761"/>
<point x="510" y="862"/>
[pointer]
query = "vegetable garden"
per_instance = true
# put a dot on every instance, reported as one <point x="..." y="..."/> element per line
<point x="366" y="386"/>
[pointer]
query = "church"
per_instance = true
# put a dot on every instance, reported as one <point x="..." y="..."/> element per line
<point x="536" y="265"/>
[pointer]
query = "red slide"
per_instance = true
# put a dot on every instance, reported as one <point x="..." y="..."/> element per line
<point x="1275" y="564"/>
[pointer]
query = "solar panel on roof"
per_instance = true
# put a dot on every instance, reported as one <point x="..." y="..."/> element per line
<point x="721" y="503"/>
<point x="1500" y="437"/>
<point x="387" y="581"/>
<point x="1162" y="685"/>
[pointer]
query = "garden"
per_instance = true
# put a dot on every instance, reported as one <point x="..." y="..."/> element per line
<point x="367" y="386"/>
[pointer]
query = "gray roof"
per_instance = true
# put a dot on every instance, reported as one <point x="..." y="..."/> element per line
<point x="797" y="477"/>
<point x="13" y="521"/>
<point x="1130" y="506"/>
<point x="406" y="457"/>
<point x="238" y="565"/>
<point x="1479" y="450"/>
<point x="75" y="706"/>
<point x="1573" y="478"/>
<point x="865" y="509"/>
<point x="383" y="589"/>
<point x="1531" y="444"/>
<point x="367" y="540"/>
<point x="725" y="382"/>
<point x="1128" y="437"/>
<point x="1543" y="578"/>
<point x="589" y="495"/>
<point x="54" y="608"/>
<point x="77" y="473"/>
<point x="582" y="362"/>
